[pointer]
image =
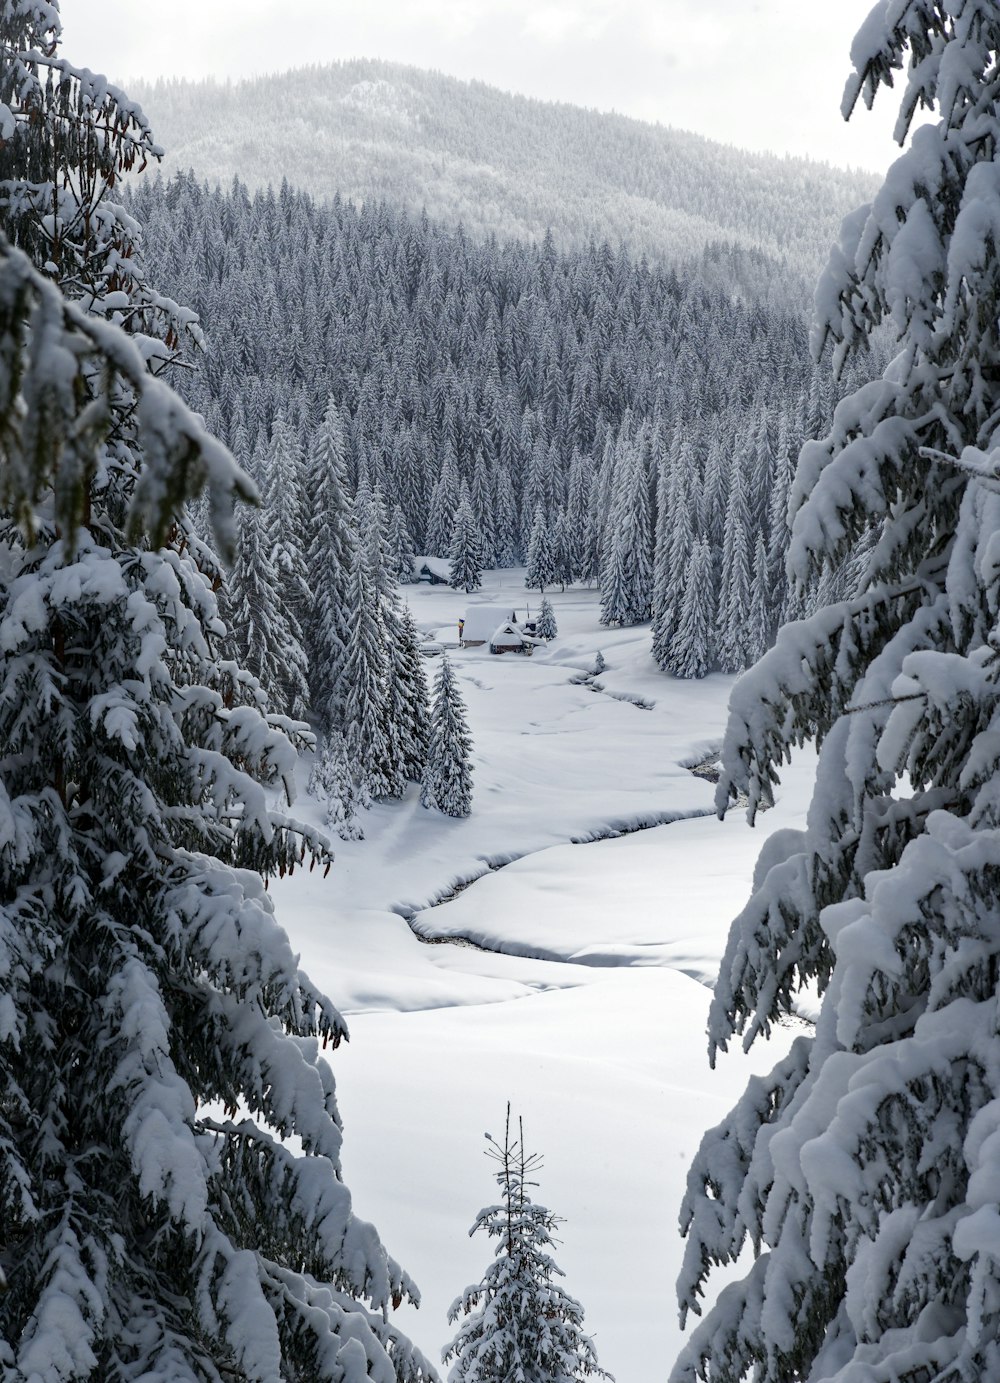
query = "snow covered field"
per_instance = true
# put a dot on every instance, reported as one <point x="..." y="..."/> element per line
<point x="587" y="1009"/>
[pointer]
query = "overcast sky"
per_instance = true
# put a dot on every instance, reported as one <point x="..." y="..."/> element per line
<point x="764" y="74"/>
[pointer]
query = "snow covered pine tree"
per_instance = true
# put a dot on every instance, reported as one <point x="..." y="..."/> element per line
<point x="144" y="983"/>
<point x="332" y="783"/>
<point x="546" y="626"/>
<point x="520" y="1326"/>
<point x="447" y="777"/>
<point x="466" y="551"/>
<point x="864" y="1169"/>
<point x="330" y="559"/>
<point x="541" y="568"/>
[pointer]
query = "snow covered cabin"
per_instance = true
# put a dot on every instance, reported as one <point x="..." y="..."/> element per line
<point x="436" y="570"/>
<point x="481" y="621"/>
<point x="510" y="638"/>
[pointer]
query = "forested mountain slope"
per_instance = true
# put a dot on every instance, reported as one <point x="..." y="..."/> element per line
<point x="624" y="416"/>
<point x="504" y="164"/>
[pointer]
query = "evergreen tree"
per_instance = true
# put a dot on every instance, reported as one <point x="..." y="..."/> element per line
<point x="505" y="514"/>
<point x="674" y="540"/>
<point x="366" y="686"/>
<point x="371" y="525"/>
<point x="627" y="560"/>
<point x="602" y="494"/>
<point x="519" y="1322"/>
<point x="68" y="137"/>
<point x="281" y="482"/>
<point x="466" y="553"/>
<point x="540" y="487"/>
<point x="254" y="609"/>
<point x="714" y="498"/>
<point x="481" y="497"/>
<point x="381" y="712"/>
<point x="563" y="551"/>
<point x="734" y="638"/>
<point x="410" y="707"/>
<point x="862" y="1171"/>
<point x="145" y="982"/>
<point x="581" y="479"/>
<point x="777" y="518"/>
<point x="444" y="502"/>
<point x="545" y="626"/>
<point x="447" y="778"/>
<point x="332" y="783"/>
<point x="399" y="548"/>
<point x="541" y="569"/>
<point x="692" y="649"/>
<point x="760" y="618"/>
<point x="329" y="561"/>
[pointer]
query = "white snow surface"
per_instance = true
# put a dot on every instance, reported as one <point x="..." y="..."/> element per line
<point x="588" y="1009"/>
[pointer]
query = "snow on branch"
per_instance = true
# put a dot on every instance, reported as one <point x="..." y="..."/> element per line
<point x="63" y="396"/>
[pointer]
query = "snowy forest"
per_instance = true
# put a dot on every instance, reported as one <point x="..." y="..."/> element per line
<point x="639" y="417"/>
<point x="450" y="645"/>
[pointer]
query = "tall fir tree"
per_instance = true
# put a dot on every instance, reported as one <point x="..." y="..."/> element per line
<point x="581" y="479"/>
<point x="444" y="502"/>
<point x="409" y="702"/>
<point x="466" y="551"/>
<point x="692" y="648"/>
<point x="674" y="541"/>
<point x="505" y="541"/>
<point x="777" y="516"/>
<point x="714" y="497"/>
<point x="627" y="559"/>
<point x="330" y="558"/>
<point x="734" y="636"/>
<point x="281" y="483"/>
<point x="563" y="551"/>
<point x="447" y="777"/>
<point x="862" y="1170"/>
<point x="540" y="487"/>
<point x="541" y="568"/>
<point x="760" y="615"/>
<point x="253" y="605"/>
<point x="481" y="497"/>
<point x="399" y="548"/>
<point x="366" y="685"/>
<point x="601" y="500"/>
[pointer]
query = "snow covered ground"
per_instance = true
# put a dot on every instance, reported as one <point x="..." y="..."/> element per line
<point x="586" y="1009"/>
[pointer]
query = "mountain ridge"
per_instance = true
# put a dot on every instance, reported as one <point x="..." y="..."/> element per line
<point x="502" y="163"/>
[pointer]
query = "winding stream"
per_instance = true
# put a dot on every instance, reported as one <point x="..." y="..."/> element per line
<point x="425" y="934"/>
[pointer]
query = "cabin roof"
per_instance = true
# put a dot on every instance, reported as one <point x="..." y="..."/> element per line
<point x="438" y="565"/>
<point x="482" y="620"/>
<point x="510" y="635"/>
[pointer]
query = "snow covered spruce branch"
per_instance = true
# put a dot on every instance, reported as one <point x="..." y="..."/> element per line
<point x="144" y="981"/>
<point x="862" y="1171"/>
<point x="52" y="351"/>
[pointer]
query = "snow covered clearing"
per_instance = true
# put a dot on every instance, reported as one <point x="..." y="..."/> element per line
<point x="585" y="1007"/>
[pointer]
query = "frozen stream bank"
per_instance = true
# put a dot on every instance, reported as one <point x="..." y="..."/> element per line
<point x="463" y="925"/>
